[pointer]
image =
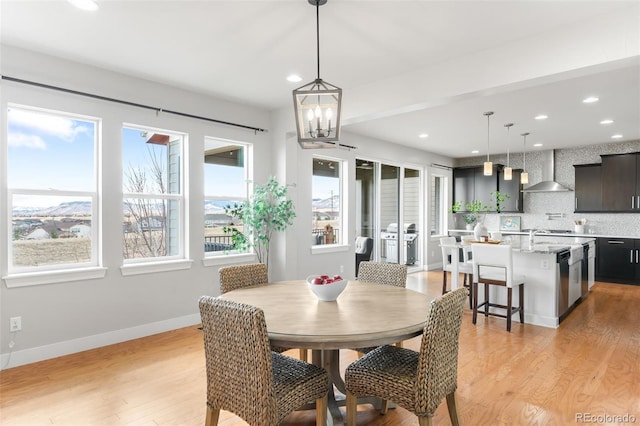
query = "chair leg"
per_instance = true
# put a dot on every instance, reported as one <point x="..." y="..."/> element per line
<point x="486" y="299"/>
<point x="509" y="312"/>
<point x="211" y="418"/>
<point x="352" y="409"/>
<point x="453" y="409"/>
<point x="474" y="286"/>
<point x="425" y="421"/>
<point x="384" y="406"/>
<point x="521" y="301"/>
<point x="321" y="411"/>
<point x="398" y="344"/>
<point x="303" y="355"/>
<point x="444" y="282"/>
<point x="470" y="293"/>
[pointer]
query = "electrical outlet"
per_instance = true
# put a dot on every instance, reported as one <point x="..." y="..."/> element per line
<point x="15" y="324"/>
<point x="342" y="269"/>
<point x="544" y="264"/>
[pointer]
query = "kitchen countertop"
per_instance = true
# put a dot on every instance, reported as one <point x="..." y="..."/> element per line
<point x="545" y="243"/>
<point x="562" y="234"/>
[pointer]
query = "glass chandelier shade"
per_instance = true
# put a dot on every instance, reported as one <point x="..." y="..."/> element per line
<point x="317" y="105"/>
<point x="524" y="176"/>
<point x="488" y="165"/>
<point x="508" y="171"/>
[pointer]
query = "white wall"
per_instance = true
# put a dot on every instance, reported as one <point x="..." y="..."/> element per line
<point x="67" y="317"/>
<point x="72" y="316"/>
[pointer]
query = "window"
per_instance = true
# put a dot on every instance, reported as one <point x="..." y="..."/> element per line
<point x="326" y="196"/>
<point x="154" y="208"/>
<point x="52" y="175"/>
<point x="226" y="181"/>
<point x="437" y="211"/>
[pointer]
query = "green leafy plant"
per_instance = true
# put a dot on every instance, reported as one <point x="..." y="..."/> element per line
<point x="267" y="210"/>
<point x="473" y="210"/>
<point x="499" y="198"/>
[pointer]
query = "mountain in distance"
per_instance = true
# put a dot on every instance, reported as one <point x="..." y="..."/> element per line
<point x="71" y="208"/>
<point x="326" y="204"/>
<point x="83" y="208"/>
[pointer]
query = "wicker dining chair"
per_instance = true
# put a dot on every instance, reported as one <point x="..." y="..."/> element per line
<point x="416" y="381"/>
<point x="382" y="273"/>
<point x="241" y="276"/>
<point x="248" y="379"/>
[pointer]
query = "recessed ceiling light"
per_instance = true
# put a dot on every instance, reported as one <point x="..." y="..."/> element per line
<point x="84" y="4"/>
<point x="423" y="135"/>
<point x="607" y="121"/>
<point x="541" y="117"/>
<point x="616" y="136"/>
<point x="475" y="151"/>
<point x="537" y="144"/>
<point x="590" y="100"/>
<point x="294" y="78"/>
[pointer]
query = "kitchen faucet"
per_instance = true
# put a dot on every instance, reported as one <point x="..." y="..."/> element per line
<point x="534" y="232"/>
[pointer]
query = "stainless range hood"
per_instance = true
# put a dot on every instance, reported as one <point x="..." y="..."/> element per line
<point x="548" y="183"/>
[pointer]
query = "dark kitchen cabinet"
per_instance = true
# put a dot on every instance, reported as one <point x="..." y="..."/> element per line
<point x="588" y="190"/>
<point x="621" y="182"/>
<point x="470" y="183"/>
<point x="512" y="187"/>
<point x="463" y="185"/>
<point x="618" y="260"/>
<point x="485" y="185"/>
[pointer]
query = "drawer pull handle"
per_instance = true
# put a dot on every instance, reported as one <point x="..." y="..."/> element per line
<point x="615" y="242"/>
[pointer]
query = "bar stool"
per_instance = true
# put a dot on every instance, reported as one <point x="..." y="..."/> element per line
<point x="493" y="265"/>
<point x="465" y="266"/>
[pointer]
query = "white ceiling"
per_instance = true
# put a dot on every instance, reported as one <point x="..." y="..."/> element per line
<point x="406" y="67"/>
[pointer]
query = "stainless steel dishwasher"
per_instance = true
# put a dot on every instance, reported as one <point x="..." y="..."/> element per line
<point x="562" y="265"/>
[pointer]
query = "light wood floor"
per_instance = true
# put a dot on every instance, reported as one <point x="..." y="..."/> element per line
<point x="531" y="376"/>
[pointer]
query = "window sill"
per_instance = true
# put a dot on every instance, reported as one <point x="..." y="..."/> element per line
<point x="330" y="248"/>
<point x="229" y="259"/>
<point x="53" y="277"/>
<point x="153" y="267"/>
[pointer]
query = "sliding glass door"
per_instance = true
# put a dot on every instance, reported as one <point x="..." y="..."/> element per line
<point x="388" y="210"/>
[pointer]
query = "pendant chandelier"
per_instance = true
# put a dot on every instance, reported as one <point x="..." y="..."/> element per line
<point x="317" y="105"/>
<point x="508" y="171"/>
<point x="524" y="176"/>
<point x="488" y="165"/>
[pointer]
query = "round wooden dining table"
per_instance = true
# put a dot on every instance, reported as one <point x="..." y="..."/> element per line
<point x="364" y="315"/>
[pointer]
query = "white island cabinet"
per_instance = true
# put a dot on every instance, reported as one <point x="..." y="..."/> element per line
<point x="553" y="283"/>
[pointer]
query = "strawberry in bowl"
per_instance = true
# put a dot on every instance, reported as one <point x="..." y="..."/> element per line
<point x="326" y="288"/>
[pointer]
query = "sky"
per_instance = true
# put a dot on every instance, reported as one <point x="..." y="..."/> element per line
<point x="51" y="151"/>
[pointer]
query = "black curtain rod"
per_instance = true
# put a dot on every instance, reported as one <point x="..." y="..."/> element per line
<point x="120" y="101"/>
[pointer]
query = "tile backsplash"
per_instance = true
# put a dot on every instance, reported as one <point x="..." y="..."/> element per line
<point x="538" y="204"/>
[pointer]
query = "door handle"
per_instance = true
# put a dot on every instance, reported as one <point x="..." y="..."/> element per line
<point x="576" y="207"/>
<point x="637" y="255"/>
<point x="631" y="256"/>
<point x="633" y="202"/>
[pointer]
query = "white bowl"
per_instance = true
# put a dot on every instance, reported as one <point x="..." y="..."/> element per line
<point x="326" y="292"/>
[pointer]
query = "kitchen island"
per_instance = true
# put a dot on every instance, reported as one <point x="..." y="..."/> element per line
<point x="553" y="270"/>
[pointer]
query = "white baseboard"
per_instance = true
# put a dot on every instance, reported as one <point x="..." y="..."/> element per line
<point x="41" y="353"/>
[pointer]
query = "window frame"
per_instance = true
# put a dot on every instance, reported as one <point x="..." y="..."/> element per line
<point x="180" y="260"/>
<point x="443" y="209"/>
<point x="342" y="244"/>
<point x="19" y="276"/>
<point x="224" y="256"/>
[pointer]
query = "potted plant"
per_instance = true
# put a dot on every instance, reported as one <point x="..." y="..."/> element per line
<point x="267" y="210"/>
<point x="473" y="211"/>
